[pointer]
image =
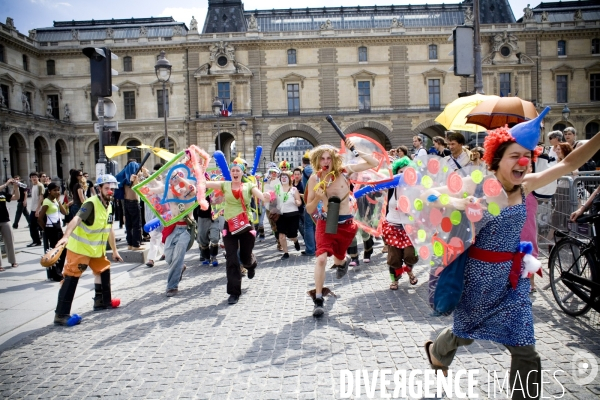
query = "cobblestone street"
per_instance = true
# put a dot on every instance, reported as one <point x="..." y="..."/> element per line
<point x="268" y="346"/>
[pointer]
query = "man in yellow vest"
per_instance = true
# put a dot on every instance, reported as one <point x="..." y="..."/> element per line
<point x="86" y="237"/>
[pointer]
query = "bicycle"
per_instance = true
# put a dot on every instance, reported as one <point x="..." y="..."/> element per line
<point x="575" y="270"/>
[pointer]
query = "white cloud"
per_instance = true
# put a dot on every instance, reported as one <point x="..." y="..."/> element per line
<point x="49" y="3"/>
<point x="185" y="14"/>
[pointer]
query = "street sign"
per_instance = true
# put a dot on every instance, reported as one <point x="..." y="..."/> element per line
<point x="110" y="109"/>
<point x="111" y="125"/>
<point x="100" y="169"/>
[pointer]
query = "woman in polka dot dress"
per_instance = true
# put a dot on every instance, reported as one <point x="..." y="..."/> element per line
<point x="495" y="301"/>
<point x="401" y="254"/>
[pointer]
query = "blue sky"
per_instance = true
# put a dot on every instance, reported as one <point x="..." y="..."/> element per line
<point x="30" y="14"/>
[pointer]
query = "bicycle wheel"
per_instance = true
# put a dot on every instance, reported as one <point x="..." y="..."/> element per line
<point x="566" y="256"/>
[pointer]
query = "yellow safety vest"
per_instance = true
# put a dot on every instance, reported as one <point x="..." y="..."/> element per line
<point x="91" y="240"/>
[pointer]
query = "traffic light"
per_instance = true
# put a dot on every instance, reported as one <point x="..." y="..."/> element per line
<point x="464" y="57"/>
<point x="100" y="69"/>
<point x="110" y="138"/>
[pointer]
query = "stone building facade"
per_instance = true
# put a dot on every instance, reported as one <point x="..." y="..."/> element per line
<point x="384" y="72"/>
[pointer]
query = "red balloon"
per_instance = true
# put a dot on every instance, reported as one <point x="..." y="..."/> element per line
<point x="446" y="224"/>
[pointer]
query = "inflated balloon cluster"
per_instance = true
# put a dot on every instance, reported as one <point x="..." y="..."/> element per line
<point x="446" y="207"/>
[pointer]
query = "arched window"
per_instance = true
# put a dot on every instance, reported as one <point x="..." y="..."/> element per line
<point x="559" y="127"/>
<point x="25" y="62"/>
<point x="596" y="46"/>
<point x="433" y="52"/>
<point x="562" y="48"/>
<point x="591" y="129"/>
<point x="362" y="54"/>
<point x="291" y="56"/>
<point x="134" y="153"/>
<point x="50" y="67"/>
<point x="127" y="64"/>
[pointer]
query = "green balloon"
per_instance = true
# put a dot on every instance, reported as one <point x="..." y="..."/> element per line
<point x="438" y="249"/>
<point x="427" y="182"/>
<point x="421" y="235"/>
<point x="477" y="176"/>
<point x="455" y="217"/>
<point x="418" y="205"/>
<point x="494" y="209"/>
<point x="444" y="199"/>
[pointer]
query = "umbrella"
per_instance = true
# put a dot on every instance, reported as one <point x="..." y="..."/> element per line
<point x="495" y="113"/>
<point x="114" y="151"/>
<point x="454" y="116"/>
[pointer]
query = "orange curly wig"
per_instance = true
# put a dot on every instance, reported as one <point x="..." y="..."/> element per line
<point x="495" y="138"/>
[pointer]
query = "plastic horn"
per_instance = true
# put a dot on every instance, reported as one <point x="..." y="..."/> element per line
<point x="380" y="186"/>
<point x="257" y="155"/>
<point x="339" y="132"/>
<point x="222" y="164"/>
<point x="143" y="162"/>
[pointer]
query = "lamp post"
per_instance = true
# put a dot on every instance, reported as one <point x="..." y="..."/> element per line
<point x="566" y="113"/>
<point x="243" y="127"/>
<point x="163" y="73"/>
<point x="216" y="106"/>
<point x="5" y="162"/>
<point x="81" y="165"/>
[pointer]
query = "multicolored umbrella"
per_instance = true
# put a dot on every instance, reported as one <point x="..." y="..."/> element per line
<point x="496" y="113"/>
<point x="454" y="116"/>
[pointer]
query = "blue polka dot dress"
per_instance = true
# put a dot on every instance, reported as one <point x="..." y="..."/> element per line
<point x="490" y="309"/>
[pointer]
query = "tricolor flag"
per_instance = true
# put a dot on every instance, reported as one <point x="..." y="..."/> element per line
<point x="227" y="112"/>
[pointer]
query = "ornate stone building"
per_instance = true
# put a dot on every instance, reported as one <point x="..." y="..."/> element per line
<point x="381" y="71"/>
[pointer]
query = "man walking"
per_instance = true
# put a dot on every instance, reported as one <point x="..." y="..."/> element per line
<point x="133" y="213"/>
<point x="22" y="202"/>
<point x="37" y="197"/>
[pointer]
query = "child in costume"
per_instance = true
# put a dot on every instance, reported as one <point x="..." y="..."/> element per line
<point x="401" y="256"/>
<point x="327" y="182"/>
<point x="495" y="302"/>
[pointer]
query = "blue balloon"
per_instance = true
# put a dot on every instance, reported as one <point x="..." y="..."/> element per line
<point x="379" y="186"/>
<point x="222" y="164"/>
<point x="257" y="155"/>
<point x="152" y="225"/>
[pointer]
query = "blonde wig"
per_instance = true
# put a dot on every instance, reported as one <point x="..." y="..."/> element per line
<point x="317" y="152"/>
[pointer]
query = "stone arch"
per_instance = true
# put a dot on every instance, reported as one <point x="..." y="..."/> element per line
<point x="292" y="130"/>
<point x="227" y="138"/>
<point x="593" y="120"/>
<point x="372" y="129"/>
<point x="173" y="148"/>
<point x="62" y="158"/>
<point x="42" y="153"/>
<point x="429" y="128"/>
<point x="18" y="154"/>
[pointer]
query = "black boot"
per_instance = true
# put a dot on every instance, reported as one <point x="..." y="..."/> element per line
<point x="98" y="302"/>
<point x="106" y="293"/>
<point x="205" y="255"/>
<point x="368" y="249"/>
<point x="318" y="310"/>
<point x="65" y="300"/>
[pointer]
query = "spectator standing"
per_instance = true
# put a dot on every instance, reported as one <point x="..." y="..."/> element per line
<point x="477" y="157"/>
<point x="49" y="221"/>
<point x="133" y="214"/>
<point x="402" y="151"/>
<point x="459" y="156"/>
<point x="37" y="197"/>
<point x="440" y="146"/>
<point x="77" y="191"/>
<point x="309" y="224"/>
<point x="554" y="137"/>
<point x="297" y="183"/>
<point x="5" y="220"/>
<point x="90" y="186"/>
<point x="22" y="204"/>
<point x="418" y="147"/>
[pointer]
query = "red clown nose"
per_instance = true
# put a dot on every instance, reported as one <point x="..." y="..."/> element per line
<point x="523" y="161"/>
<point x="110" y="192"/>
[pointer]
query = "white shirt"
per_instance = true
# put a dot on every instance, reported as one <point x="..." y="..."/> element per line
<point x="463" y="160"/>
<point x="394" y="215"/>
<point x="289" y="203"/>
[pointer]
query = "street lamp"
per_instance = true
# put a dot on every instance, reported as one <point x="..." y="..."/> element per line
<point x="243" y="127"/>
<point x="566" y="113"/>
<point x="5" y="162"/>
<point x="163" y="73"/>
<point x="216" y="106"/>
<point x="81" y="165"/>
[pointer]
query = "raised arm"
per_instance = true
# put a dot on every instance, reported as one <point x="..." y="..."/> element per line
<point x="370" y="161"/>
<point x="573" y="161"/>
<point x="256" y="192"/>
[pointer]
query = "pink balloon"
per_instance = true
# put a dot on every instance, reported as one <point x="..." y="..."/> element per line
<point x="435" y="216"/>
<point x="433" y="166"/>
<point x="454" y="182"/>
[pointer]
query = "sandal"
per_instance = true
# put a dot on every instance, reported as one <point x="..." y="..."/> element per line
<point x="14" y="265"/>
<point x="394" y="285"/>
<point x="413" y="279"/>
<point x="435" y="368"/>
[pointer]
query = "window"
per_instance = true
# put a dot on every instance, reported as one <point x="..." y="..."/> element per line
<point x="171" y="148"/>
<point x="362" y="54"/>
<point x="433" y="52"/>
<point x="594" y="87"/>
<point x="562" y="48"/>
<point x="595" y="46"/>
<point x="561" y="89"/>
<point x="159" y="100"/>
<point x="504" y="84"/>
<point x="293" y="96"/>
<point x="54" y="102"/>
<point x="559" y="127"/>
<point x="291" y="56"/>
<point x="50" y="69"/>
<point x="2" y="53"/>
<point x="4" y="89"/>
<point x="591" y="129"/>
<point x="434" y="94"/>
<point x="223" y="91"/>
<point x="127" y="64"/>
<point x="134" y="153"/>
<point x="25" y="62"/>
<point x="93" y="102"/>
<point x="364" y="96"/>
<point x="129" y="104"/>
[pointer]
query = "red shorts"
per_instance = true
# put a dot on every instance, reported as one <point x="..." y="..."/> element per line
<point x="335" y="244"/>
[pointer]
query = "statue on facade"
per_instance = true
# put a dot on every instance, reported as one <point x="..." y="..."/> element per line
<point x="67" y="116"/>
<point x="2" y="100"/>
<point x="216" y="48"/>
<point x="396" y="23"/>
<point x="578" y="16"/>
<point x="49" y="109"/>
<point x="75" y="34"/>
<point x="193" y="24"/>
<point x="545" y="16"/>
<point x="26" y="105"/>
<point x="143" y="31"/>
<point x="110" y="33"/>
<point x="327" y="25"/>
<point x="32" y="34"/>
<point x="252" y="23"/>
<point x="528" y="13"/>
<point x="230" y="52"/>
<point x="10" y="23"/>
<point x="468" y="16"/>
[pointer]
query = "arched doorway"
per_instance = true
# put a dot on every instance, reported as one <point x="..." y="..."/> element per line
<point x="307" y="140"/>
<point x="591" y="129"/>
<point x="559" y="127"/>
<point x="291" y="150"/>
<point x="134" y="153"/>
<point x="41" y="151"/>
<point x="61" y="149"/>
<point x="17" y="150"/>
<point x="227" y="140"/>
<point x="375" y="135"/>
